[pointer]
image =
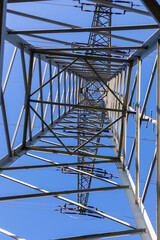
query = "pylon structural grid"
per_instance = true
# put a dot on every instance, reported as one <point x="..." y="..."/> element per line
<point x="80" y="119"/>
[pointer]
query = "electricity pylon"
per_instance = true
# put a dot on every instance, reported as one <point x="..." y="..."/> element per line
<point x="81" y="106"/>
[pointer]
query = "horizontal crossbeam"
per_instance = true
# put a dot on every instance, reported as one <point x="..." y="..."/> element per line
<point x="39" y="149"/>
<point x="56" y="165"/>
<point x="105" y="235"/>
<point x="36" y="195"/>
<point x="78" y="106"/>
<point x="91" y="29"/>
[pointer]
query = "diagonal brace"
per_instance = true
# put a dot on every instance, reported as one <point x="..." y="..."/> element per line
<point x="49" y="129"/>
<point x="54" y="76"/>
<point x="97" y="134"/>
<point x="104" y="83"/>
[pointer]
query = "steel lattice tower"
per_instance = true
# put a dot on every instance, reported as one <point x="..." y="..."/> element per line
<point x="80" y="110"/>
<point x="101" y="18"/>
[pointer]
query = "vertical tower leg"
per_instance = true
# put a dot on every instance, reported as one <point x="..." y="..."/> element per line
<point x="138" y="128"/>
<point x="3" y="7"/>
